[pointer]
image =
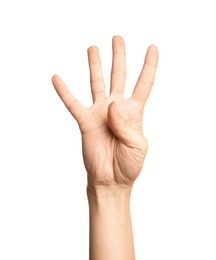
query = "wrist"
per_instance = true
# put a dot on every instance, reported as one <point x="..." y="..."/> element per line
<point x="101" y="193"/>
<point x="111" y="235"/>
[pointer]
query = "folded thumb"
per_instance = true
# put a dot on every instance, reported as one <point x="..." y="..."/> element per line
<point x="124" y="132"/>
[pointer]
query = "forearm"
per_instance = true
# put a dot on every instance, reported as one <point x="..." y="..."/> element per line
<point x="111" y="236"/>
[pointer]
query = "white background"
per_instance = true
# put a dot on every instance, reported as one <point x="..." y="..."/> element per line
<point x="43" y="203"/>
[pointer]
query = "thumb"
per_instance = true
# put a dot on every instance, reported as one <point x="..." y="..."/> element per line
<point x="123" y="131"/>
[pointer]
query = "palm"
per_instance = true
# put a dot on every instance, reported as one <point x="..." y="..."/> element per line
<point x="104" y="152"/>
<point x="114" y="147"/>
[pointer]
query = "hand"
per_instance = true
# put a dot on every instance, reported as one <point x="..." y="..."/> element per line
<point x="114" y="147"/>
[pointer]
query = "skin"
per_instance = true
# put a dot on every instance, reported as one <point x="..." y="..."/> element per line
<point x="114" y="148"/>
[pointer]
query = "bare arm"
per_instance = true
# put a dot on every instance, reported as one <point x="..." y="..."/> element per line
<point x="114" y="148"/>
<point x="111" y="235"/>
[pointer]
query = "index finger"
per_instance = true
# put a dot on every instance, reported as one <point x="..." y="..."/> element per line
<point x="146" y="78"/>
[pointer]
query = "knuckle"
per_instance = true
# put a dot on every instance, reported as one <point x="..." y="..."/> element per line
<point x="96" y="80"/>
<point x="145" y="81"/>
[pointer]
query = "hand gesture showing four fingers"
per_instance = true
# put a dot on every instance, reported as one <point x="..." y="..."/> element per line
<point x="114" y="146"/>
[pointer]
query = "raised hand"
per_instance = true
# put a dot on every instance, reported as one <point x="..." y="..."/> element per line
<point x="114" y="147"/>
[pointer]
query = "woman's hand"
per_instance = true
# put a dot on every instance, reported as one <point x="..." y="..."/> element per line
<point x="114" y="147"/>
